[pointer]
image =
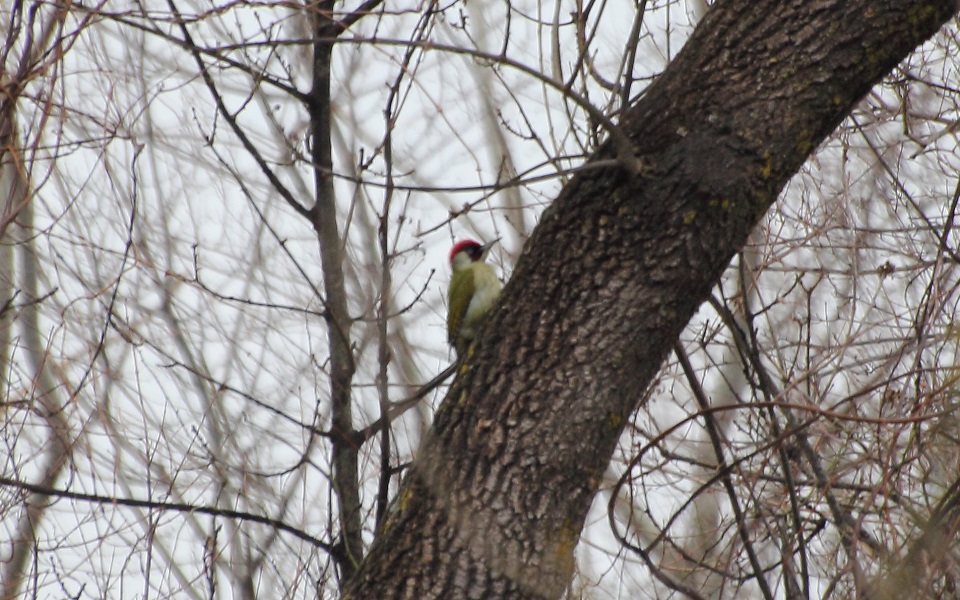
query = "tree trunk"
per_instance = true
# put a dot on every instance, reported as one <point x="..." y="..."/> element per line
<point x="346" y="484"/>
<point x="494" y="504"/>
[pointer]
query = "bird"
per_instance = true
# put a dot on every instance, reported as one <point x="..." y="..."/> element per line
<point x="474" y="288"/>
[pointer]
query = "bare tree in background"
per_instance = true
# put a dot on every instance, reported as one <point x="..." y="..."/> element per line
<point x="224" y="234"/>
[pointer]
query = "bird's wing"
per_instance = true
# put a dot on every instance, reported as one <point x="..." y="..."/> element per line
<point x="458" y="300"/>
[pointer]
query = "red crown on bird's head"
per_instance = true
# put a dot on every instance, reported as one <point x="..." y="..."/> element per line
<point x="463" y="245"/>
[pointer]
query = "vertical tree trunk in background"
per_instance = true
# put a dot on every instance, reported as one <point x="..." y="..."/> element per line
<point x="17" y="232"/>
<point x="324" y="216"/>
<point x="494" y="503"/>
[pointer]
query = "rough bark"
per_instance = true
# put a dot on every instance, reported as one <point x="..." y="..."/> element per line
<point x="494" y="503"/>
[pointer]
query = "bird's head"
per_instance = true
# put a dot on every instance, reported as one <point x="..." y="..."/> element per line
<point x="466" y="252"/>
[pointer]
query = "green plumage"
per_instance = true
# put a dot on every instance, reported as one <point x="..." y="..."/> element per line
<point x="474" y="288"/>
<point x="459" y="295"/>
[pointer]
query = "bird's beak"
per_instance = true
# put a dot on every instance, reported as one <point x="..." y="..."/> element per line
<point x="486" y="247"/>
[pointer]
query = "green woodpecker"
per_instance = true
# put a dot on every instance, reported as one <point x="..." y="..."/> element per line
<point x="474" y="288"/>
